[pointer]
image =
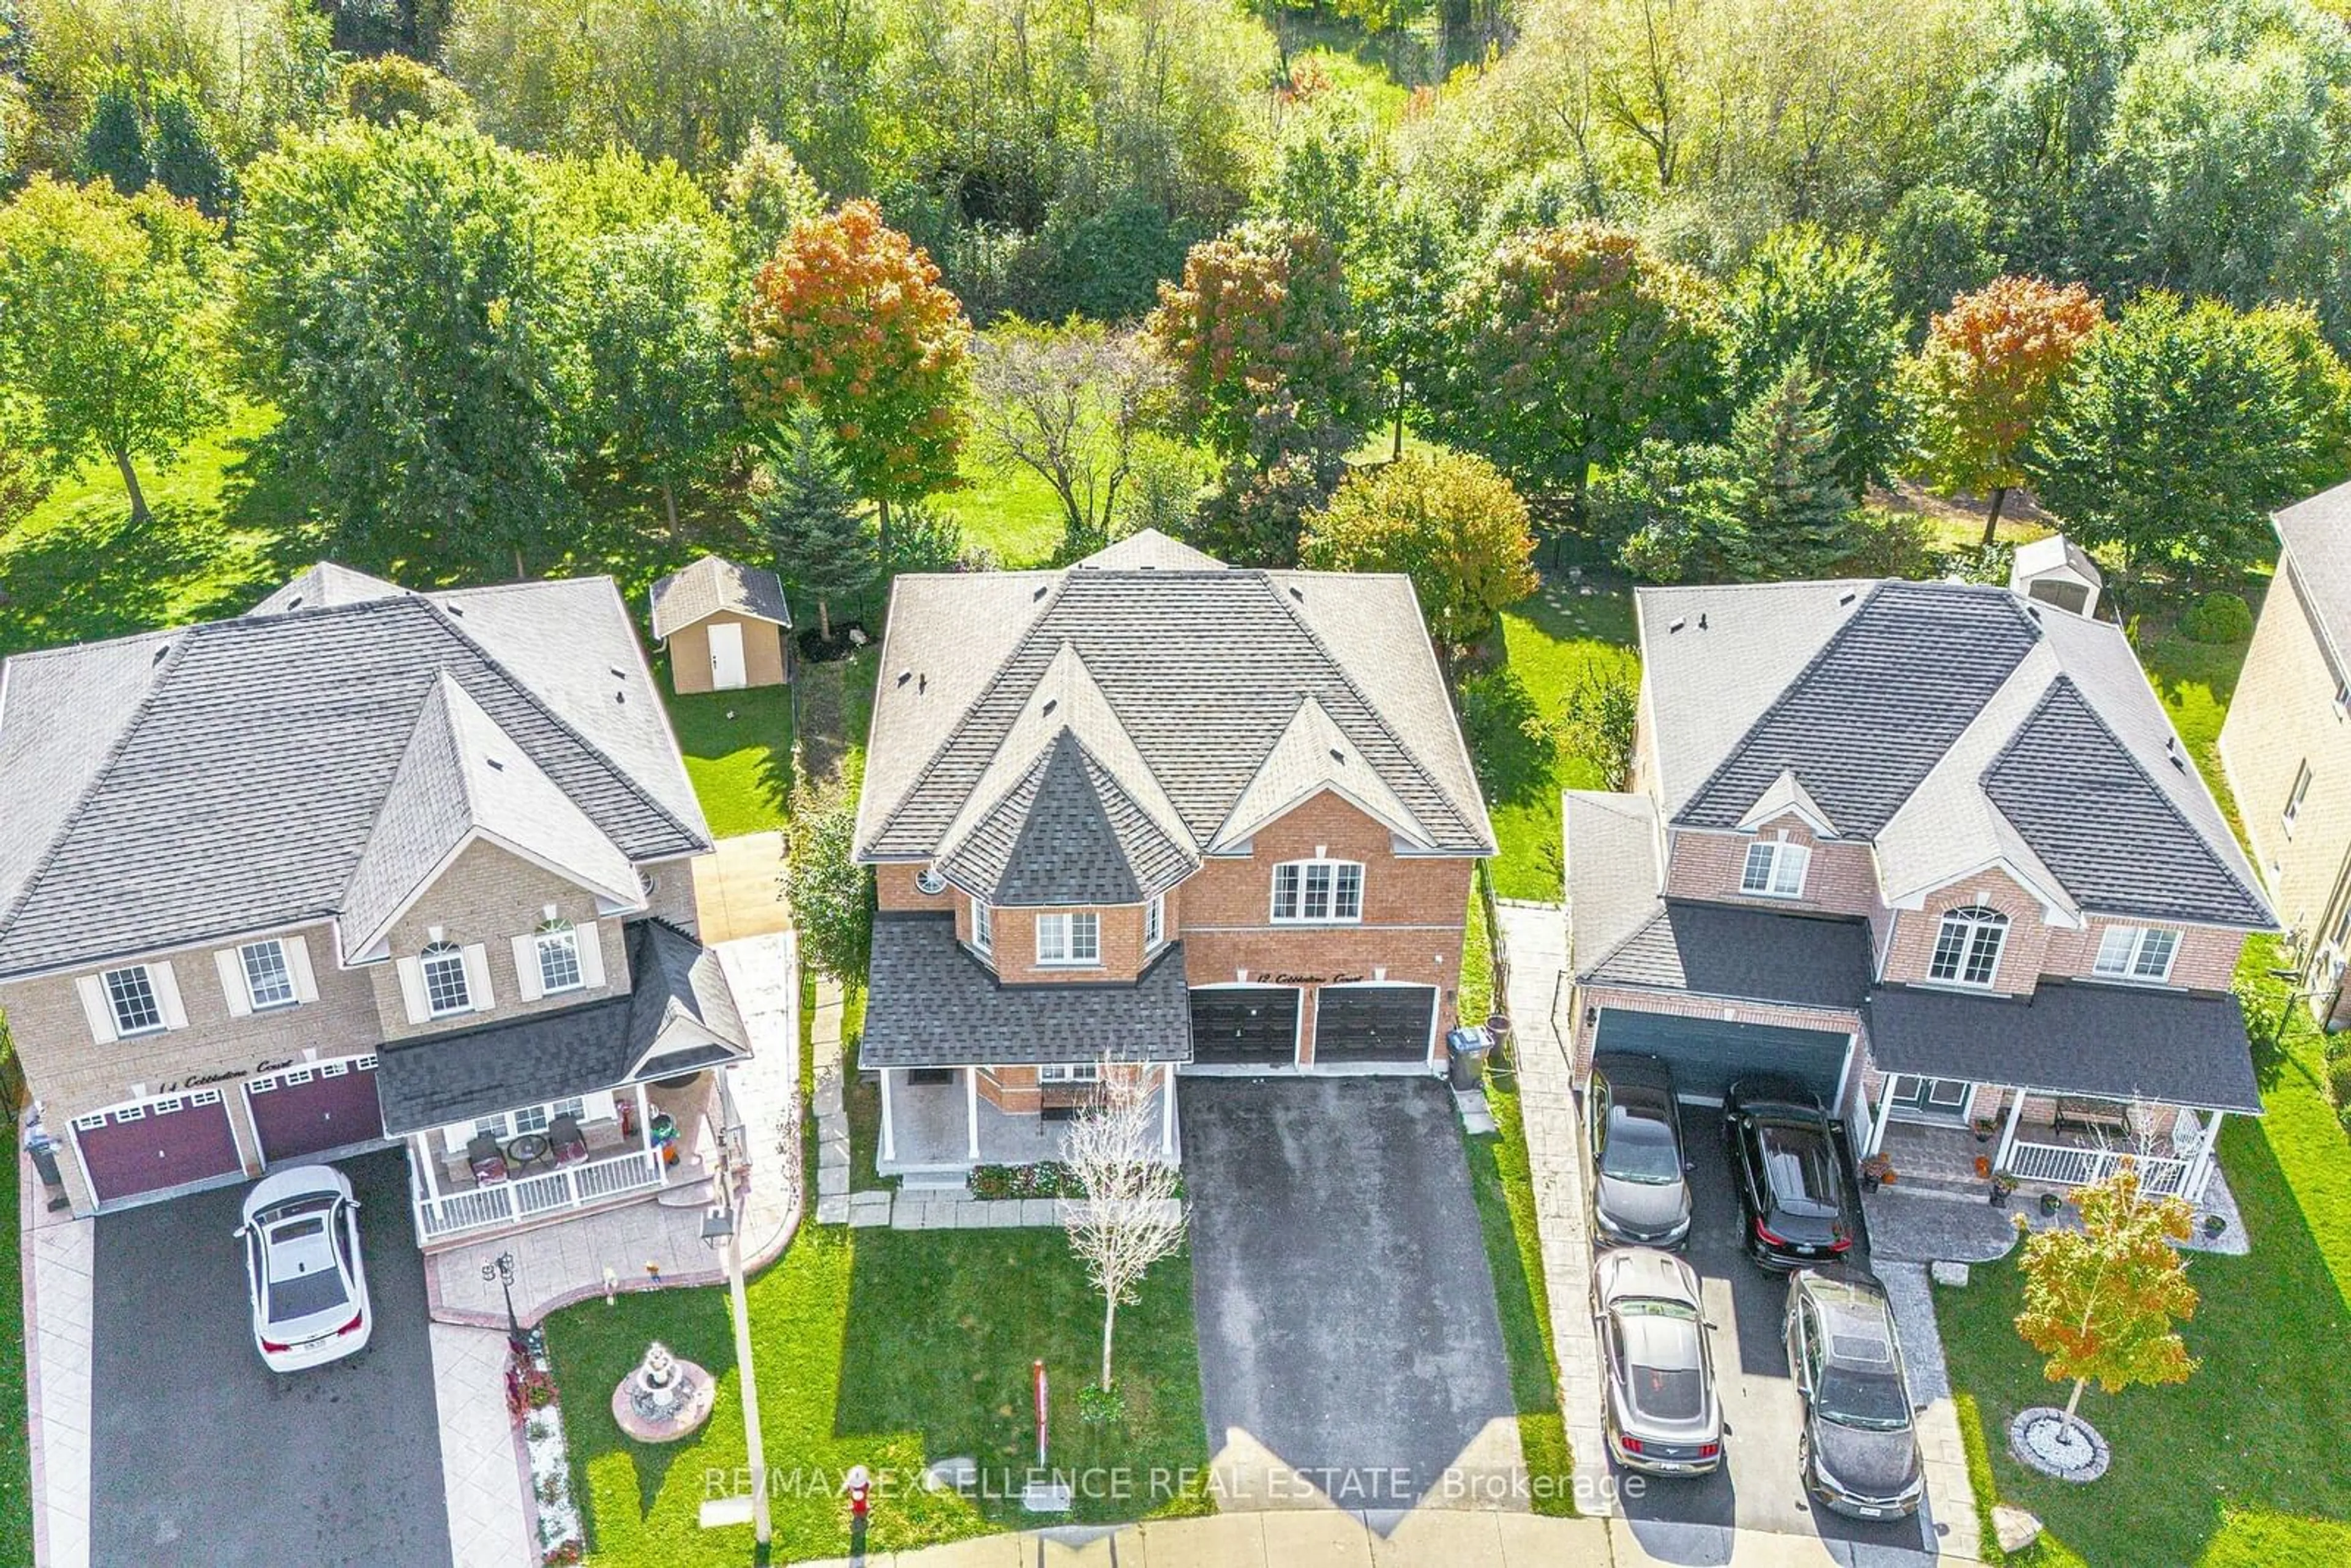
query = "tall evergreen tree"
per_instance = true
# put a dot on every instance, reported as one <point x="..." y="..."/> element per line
<point x="808" y="514"/>
<point x="183" y="154"/>
<point x="114" y="136"/>
<point x="1799" y="515"/>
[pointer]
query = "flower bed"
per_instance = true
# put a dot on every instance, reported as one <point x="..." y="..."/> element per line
<point x="1048" y="1178"/>
<point x="533" y="1404"/>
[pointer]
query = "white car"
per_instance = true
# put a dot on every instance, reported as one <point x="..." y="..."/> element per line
<point x="302" y="1266"/>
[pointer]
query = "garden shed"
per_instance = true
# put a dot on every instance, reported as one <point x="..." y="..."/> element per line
<point x="723" y="625"/>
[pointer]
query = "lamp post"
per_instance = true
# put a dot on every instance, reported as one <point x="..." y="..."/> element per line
<point x="721" y="1233"/>
<point x="502" y="1268"/>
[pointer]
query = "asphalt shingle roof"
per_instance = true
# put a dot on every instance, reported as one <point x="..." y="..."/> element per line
<point x="2315" y="535"/>
<point x="245" y="762"/>
<point x="1749" y="954"/>
<point x="1066" y="833"/>
<point x="458" y="1076"/>
<point x="931" y="1004"/>
<point x="712" y="585"/>
<point x="2121" y="1043"/>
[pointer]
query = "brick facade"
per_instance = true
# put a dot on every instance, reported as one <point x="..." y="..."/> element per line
<point x="1910" y="944"/>
<point x="1841" y="878"/>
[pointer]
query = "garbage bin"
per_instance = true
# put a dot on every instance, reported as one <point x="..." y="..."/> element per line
<point x="1468" y="1048"/>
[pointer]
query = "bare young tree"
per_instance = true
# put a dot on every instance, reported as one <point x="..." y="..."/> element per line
<point x="1068" y="401"/>
<point x="1131" y="1215"/>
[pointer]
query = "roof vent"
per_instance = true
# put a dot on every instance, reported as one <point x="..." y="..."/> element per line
<point x="1296" y="594"/>
<point x="1042" y="589"/>
<point x="1675" y="626"/>
<point x="1847" y="597"/>
<point x="295" y="602"/>
<point x="1338" y="757"/>
<point x="1701" y="620"/>
<point x="2179" y="762"/>
<point x="621" y="698"/>
<point x="456" y="610"/>
<point x="1050" y="703"/>
<point x="922" y="685"/>
<point x="495" y="764"/>
<point x="905" y="675"/>
<point x="161" y="648"/>
<point x="618" y="674"/>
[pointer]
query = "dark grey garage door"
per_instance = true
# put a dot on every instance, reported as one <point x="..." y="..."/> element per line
<point x="1253" y="1026"/>
<point x="318" y="1106"/>
<point x="1374" y="1023"/>
<point x="1706" y="1054"/>
<point x="130" y="1150"/>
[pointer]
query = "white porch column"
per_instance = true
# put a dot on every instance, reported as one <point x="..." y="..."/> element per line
<point x="1884" y="1113"/>
<point x="2199" y="1175"/>
<point x="971" y="1109"/>
<point x="2008" y="1129"/>
<point x="889" y="1133"/>
<point x="644" y="1121"/>
<point x="1167" y="1112"/>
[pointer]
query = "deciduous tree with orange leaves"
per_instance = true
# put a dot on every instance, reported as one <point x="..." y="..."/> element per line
<point x="849" y="315"/>
<point x="1985" y="376"/>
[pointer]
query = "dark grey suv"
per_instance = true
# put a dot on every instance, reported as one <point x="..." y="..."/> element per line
<point x="1640" y="1193"/>
<point x="1859" y="1452"/>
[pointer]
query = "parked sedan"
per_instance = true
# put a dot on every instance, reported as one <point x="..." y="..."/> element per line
<point x="303" y="1268"/>
<point x="1663" y="1416"/>
<point x="1859" y="1452"/>
<point x="1639" y="1192"/>
<point x="1784" y="1165"/>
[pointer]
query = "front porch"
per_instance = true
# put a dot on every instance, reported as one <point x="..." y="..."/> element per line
<point x="1933" y="1132"/>
<point x="946" y="1120"/>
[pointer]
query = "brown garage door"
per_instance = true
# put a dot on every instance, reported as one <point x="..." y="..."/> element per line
<point x="318" y="1106"/>
<point x="176" y="1141"/>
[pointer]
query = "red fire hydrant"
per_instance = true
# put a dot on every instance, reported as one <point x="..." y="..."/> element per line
<point x="860" y="1483"/>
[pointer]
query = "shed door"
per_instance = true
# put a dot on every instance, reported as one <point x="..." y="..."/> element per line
<point x="318" y="1106"/>
<point x="727" y="671"/>
<point x="177" y="1141"/>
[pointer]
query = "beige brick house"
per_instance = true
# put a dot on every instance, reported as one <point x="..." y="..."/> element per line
<point x="1192" y="817"/>
<point x="1933" y="851"/>
<point x="361" y="866"/>
<point x="2286" y="745"/>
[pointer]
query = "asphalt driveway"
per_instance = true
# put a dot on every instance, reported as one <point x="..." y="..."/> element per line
<point x="1757" y="1488"/>
<point x="1348" y="1334"/>
<point x="202" y="1456"/>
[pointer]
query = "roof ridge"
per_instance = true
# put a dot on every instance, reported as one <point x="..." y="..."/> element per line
<point x="173" y="651"/>
<point x="1616" y="947"/>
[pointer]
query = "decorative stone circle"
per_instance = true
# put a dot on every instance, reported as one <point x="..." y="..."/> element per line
<point x="663" y="1399"/>
<point x="2043" y="1440"/>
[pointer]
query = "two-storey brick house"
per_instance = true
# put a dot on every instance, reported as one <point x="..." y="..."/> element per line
<point x="1156" y="810"/>
<point x="361" y="865"/>
<point x="1933" y="848"/>
<point x="2287" y="745"/>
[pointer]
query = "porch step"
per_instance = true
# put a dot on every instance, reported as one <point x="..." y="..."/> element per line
<point x="699" y="1194"/>
<point x="935" y="1181"/>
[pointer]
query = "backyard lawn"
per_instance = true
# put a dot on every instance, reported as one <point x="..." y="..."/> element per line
<point x="894" y="1350"/>
<point x="738" y="752"/>
<point x="16" y="1442"/>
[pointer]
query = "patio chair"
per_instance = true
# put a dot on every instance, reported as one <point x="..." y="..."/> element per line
<point x="486" y="1159"/>
<point x="571" y="1143"/>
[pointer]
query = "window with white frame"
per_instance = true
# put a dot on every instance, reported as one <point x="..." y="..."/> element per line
<point x="983" y="926"/>
<point x="268" y="980"/>
<point x="1968" y="945"/>
<point x="2136" y="952"/>
<point x="1078" y="1073"/>
<point x="445" y="989"/>
<point x="1775" y="868"/>
<point x="1323" y="891"/>
<point x="2295" y="798"/>
<point x="1155" y="922"/>
<point x="559" y="958"/>
<point x="1068" y="938"/>
<point x="130" y="992"/>
<point x="535" y="1118"/>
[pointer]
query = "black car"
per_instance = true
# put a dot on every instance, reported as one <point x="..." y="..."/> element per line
<point x="1640" y="1196"/>
<point x="1784" y="1165"/>
<point x="1859" y="1452"/>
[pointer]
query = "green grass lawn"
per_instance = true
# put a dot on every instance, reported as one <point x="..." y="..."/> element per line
<point x="890" y="1349"/>
<point x="1552" y="639"/>
<point x="739" y="751"/>
<point x="1011" y="511"/>
<point x="16" y="1442"/>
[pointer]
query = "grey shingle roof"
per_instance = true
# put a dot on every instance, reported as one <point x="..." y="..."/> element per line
<point x="1204" y="669"/>
<point x="1066" y="833"/>
<point x="1749" y="954"/>
<point x="931" y="1004"/>
<point x="2115" y="1041"/>
<point x="1611" y="846"/>
<point x="454" y="1076"/>
<point x="1148" y="549"/>
<point x="714" y="584"/>
<point x="1878" y="707"/>
<point x="2100" y="823"/>
<point x="325" y="585"/>
<point x="2315" y="535"/>
<point x="245" y="762"/>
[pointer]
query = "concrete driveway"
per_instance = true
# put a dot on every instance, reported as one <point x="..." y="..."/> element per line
<point x="202" y="1456"/>
<point x="1690" y="1522"/>
<point x="1349" y="1346"/>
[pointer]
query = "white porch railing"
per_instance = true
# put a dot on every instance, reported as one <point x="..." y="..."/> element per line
<point x="528" y="1198"/>
<point x="2067" y="1166"/>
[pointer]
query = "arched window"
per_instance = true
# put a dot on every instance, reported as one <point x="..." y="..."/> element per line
<point x="1966" y="946"/>
<point x="445" y="990"/>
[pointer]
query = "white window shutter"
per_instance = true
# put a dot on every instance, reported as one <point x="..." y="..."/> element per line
<point x="527" y="975"/>
<point x="167" y="994"/>
<point x="592" y="955"/>
<point x="94" y="1005"/>
<point x="231" y="964"/>
<point x="412" y="989"/>
<point x="297" y="967"/>
<point x="477" y="978"/>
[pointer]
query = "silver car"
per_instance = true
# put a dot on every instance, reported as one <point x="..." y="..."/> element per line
<point x="1663" y="1416"/>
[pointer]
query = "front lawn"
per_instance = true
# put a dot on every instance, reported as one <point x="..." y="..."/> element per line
<point x="1552" y="641"/>
<point x="2241" y="1464"/>
<point x="15" y="1441"/>
<point x="890" y="1349"/>
<point x="738" y="748"/>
